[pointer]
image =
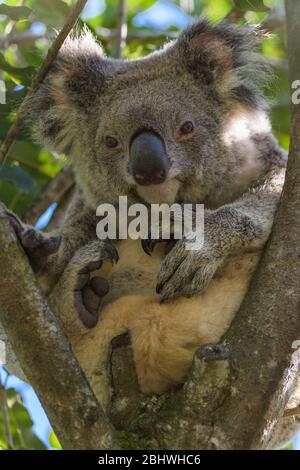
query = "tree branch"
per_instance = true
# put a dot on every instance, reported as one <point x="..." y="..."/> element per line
<point x="54" y="191"/>
<point x="45" y="353"/>
<point x="48" y="61"/>
<point x="122" y="28"/>
<point x="292" y="411"/>
<point x="275" y="20"/>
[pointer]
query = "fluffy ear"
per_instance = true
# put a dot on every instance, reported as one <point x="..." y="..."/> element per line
<point x="225" y="55"/>
<point x="62" y="104"/>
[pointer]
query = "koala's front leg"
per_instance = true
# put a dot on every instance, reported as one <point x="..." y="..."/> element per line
<point x="233" y="228"/>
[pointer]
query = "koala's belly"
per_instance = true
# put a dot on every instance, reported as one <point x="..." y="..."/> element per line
<point x="165" y="336"/>
<point x="135" y="272"/>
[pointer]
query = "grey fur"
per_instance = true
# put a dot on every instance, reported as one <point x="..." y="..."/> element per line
<point x="208" y="75"/>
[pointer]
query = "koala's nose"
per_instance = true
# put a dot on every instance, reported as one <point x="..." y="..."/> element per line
<point x="148" y="161"/>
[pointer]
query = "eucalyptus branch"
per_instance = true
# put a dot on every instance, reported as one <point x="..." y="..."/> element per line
<point x="54" y="191"/>
<point x="45" y="353"/>
<point x="122" y="28"/>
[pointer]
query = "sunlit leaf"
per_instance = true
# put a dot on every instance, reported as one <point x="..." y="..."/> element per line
<point x="254" y="5"/>
<point x="51" y="12"/>
<point x="53" y="441"/>
<point x="23" y="73"/>
<point x="20" y="424"/>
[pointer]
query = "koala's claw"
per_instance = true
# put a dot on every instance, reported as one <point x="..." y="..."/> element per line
<point x="32" y="240"/>
<point x="111" y="253"/>
<point x="37" y="245"/>
<point x="149" y="244"/>
<point x="186" y="273"/>
<point x="212" y="352"/>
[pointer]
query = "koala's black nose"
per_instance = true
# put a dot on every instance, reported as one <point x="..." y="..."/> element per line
<point x="148" y="162"/>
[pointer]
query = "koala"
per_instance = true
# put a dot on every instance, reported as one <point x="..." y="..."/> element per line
<point x="186" y="124"/>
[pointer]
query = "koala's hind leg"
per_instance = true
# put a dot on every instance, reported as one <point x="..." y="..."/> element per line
<point x="93" y="349"/>
<point x="77" y="296"/>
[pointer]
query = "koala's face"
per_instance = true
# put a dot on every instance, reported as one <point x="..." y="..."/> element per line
<point x="159" y="135"/>
<point x="152" y="129"/>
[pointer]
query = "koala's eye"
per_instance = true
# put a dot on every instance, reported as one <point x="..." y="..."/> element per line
<point x="111" y="142"/>
<point x="187" y="128"/>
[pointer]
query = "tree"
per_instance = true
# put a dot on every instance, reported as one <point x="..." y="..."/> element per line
<point x="204" y="413"/>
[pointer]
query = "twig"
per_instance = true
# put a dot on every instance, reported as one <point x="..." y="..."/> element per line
<point x="26" y="38"/>
<point x="52" y="192"/>
<point x="61" y="210"/>
<point x="277" y="64"/>
<point x="122" y="29"/>
<point x="292" y="411"/>
<point x="9" y="30"/>
<point x="235" y="15"/>
<point x="275" y="20"/>
<point x="48" y="61"/>
<point x="3" y="404"/>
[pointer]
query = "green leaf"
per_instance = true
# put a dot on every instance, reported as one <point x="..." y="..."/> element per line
<point x="15" y="13"/>
<point x="252" y="5"/>
<point x="20" y="424"/>
<point x="14" y="173"/>
<point x="25" y="74"/>
<point x="51" y="12"/>
<point x="53" y="441"/>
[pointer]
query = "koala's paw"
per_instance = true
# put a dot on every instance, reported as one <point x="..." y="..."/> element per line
<point x="88" y="292"/>
<point x="212" y="352"/>
<point x="37" y="245"/>
<point x="187" y="272"/>
<point x="149" y="244"/>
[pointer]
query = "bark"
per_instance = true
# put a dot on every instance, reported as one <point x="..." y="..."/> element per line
<point x="45" y="354"/>
<point x="235" y="403"/>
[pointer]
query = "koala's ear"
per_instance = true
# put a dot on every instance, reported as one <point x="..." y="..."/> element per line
<point x="224" y="55"/>
<point x="62" y="104"/>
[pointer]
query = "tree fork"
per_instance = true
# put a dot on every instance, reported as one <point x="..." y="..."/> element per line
<point x="45" y="354"/>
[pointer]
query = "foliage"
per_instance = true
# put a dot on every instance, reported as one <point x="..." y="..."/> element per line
<point x="25" y="29"/>
<point x="20" y="423"/>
